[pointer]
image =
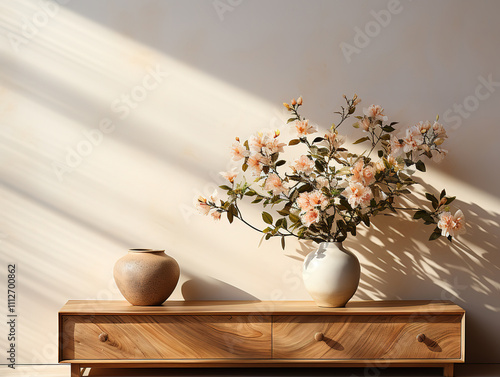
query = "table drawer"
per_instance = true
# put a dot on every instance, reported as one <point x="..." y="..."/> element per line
<point x="129" y="337"/>
<point x="367" y="337"/>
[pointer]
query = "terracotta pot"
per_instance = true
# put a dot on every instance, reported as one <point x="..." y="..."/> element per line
<point x="146" y="276"/>
<point x="331" y="274"/>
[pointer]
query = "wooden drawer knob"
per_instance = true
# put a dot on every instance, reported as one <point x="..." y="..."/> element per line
<point x="318" y="336"/>
<point x="103" y="337"/>
<point x="421" y="338"/>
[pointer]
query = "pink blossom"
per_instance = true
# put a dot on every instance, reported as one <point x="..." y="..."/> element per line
<point x="322" y="182"/>
<point x="380" y="165"/>
<point x="303" y="128"/>
<point x="366" y="124"/>
<point x="412" y="140"/>
<point x="303" y="202"/>
<point x="335" y="139"/>
<point x="396" y="146"/>
<point x="394" y="163"/>
<point x="257" y="142"/>
<point x="254" y="163"/>
<point x="376" y="112"/>
<point x="358" y="195"/>
<point x="423" y="127"/>
<point x="238" y="151"/>
<point x="310" y="217"/>
<point x="363" y="174"/>
<point x="215" y="214"/>
<point x="202" y="205"/>
<point x="368" y="175"/>
<point x="451" y="225"/>
<point x="303" y="165"/>
<point x="439" y="154"/>
<point x="275" y="184"/>
<point x="229" y="175"/>
<point x="318" y="199"/>
<point x="439" y="130"/>
<point x="273" y="145"/>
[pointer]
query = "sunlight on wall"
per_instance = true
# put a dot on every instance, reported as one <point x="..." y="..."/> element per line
<point x="104" y="144"/>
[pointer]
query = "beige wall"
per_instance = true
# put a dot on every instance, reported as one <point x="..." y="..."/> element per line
<point x="198" y="76"/>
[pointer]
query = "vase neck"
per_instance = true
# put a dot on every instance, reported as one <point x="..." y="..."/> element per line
<point x="336" y="243"/>
<point x="145" y="251"/>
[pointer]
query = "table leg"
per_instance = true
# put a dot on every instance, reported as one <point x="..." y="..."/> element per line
<point x="448" y="370"/>
<point x="75" y="370"/>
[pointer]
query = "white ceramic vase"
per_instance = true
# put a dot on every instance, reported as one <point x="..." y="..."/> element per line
<point x="331" y="274"/>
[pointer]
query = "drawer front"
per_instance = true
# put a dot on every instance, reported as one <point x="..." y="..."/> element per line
<point x="106" y="337"/>
<point x="367" y="337"/>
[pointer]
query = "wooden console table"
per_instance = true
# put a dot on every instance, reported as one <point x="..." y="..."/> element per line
<point x="261" y="334"/>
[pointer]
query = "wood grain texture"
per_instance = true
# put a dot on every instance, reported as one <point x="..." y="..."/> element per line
<point x="448" y="370"/>
<point x="78" y="307"/>
<point x="75" y="370"/>
<point x="367" y="337"/>
<point x="165" y="337"/>
<point x="202" y="363"/>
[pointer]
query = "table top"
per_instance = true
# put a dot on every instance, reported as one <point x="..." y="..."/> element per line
<point x="171" y="307"/>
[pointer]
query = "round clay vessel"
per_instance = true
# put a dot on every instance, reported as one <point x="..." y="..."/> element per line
<point x="331" y="274"/>
<point x="146" y="276"/>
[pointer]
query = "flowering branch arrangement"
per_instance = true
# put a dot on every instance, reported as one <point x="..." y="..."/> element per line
<point x="326" y="192"/>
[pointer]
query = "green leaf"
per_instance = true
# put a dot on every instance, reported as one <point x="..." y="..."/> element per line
<point x="450" y="199"/>
<point x="435" y="235"/>
<point x="388" y="128"/>
<point x="225" y="187"/>
<point x="366" y="220"/>
<point x="280" y="162"/>
<point x="283" y="242"/>
<point x="318" y="139"/>
<point x="443" y="194"/>
<point x="294" y="142"/>
<point x="268" y="219"/>
<point x="283" y="212"/>
<point x="385" y="137"/>
<point x="433" y="200"/>
<point x="420" y="165"/>
<point x="230" y="216"/>
<point x="393" y="123"/>
<point x="294" y="218"/>
<point x="304" y="188"/>
<point x="258" y="200"/>
<point x="361" y="140"/>
<point x="355" y="125"/>
<point x="419" y="214"/>
<point x="380" y="153"/>
<point x="278" y="224"/>
<point x="323" y="151"/>
<point x="291" y="120"/>
<point x="319" y="166"/>
<point x="244" y="167"/>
